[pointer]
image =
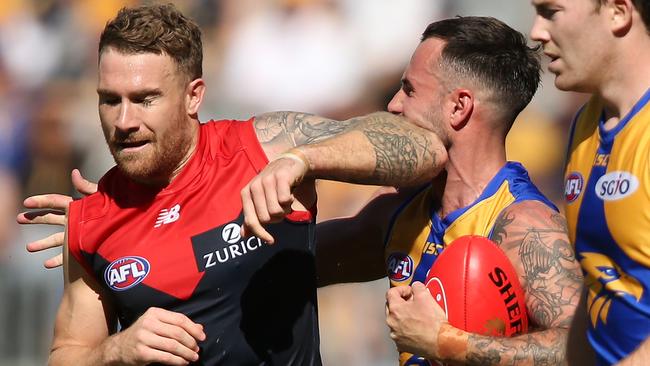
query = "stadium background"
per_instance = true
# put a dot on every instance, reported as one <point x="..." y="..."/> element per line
<point x="338" y="58"/>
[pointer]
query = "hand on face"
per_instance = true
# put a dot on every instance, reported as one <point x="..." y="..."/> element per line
<point x="158" y="336"/>
<point x="414" y="319"/>
<point x="51" y="209"/>
<point x="268" y="197"/>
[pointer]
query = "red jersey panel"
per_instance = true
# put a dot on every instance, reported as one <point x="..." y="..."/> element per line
<point x="179" y="248"/>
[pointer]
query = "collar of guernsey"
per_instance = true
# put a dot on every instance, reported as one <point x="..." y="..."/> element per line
<point x="419" y="215"/>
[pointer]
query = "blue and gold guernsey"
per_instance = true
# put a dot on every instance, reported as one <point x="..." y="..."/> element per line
<point x="607" y="190"/>
<point x="418" y="235"/>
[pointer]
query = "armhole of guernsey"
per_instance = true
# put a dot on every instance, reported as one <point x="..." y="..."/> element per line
<point x="258" y="159"/>
<point x="75" y="217"/>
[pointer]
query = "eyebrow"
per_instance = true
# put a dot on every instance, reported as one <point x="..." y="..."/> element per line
<point x="540" y="3"/>
<point x="406" y="84"/>
<point x="137" y="94"/>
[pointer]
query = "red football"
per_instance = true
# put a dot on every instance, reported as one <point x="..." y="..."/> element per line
<point x="477" y="286"/>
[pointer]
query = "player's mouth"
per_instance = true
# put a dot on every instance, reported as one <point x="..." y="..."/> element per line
<point x="131" y="146"/>
<point x="553" y="63"/>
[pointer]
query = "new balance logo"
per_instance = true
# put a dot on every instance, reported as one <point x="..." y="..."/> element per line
<point x="167" y="216"/>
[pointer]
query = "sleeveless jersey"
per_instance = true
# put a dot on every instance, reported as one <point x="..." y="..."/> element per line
<point x="179" y="248"/>
<point x="418" y="235"/>
<point x="607" y="190"/>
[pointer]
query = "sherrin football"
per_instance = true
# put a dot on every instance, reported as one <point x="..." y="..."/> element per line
<point x="477" y="286"/>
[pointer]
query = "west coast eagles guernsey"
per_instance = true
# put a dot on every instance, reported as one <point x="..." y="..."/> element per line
<point x="179" y="248"/>
<point x="607" y="190"/>
<point x="418" y="234"/>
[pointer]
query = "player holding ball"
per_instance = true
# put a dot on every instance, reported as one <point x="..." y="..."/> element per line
<point x="468" y="80"/>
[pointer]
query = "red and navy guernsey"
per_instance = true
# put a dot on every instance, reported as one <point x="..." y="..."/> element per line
<point x="179" y="248"/>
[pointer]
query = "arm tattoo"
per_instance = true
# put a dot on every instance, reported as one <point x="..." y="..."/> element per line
<point x="527" y="349"/>
<point x="534" y="238"/>
<point x="299" y="128"/>
<point x="399" y="149"/>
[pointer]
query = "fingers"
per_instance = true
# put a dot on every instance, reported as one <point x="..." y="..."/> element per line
<point x="181" y="320"/>
<point x="419" y="289"/>
<point x="82" y="185"/>
<point x="172" y="334"/>
<point x="54" y="240"/>
<point x="252" y="224"/>
<point x="52" y="201"/>
<point x="54" y="262"/>
<point x="398" y="294"/>
<point x="154" y="355"/>
<point x="174" y="340"/>
<point x="49" y="217"/>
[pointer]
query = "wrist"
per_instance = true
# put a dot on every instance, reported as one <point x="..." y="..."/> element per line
<point x="298" y="156"/>
<point x="452" y="343"/>
<point x="110" y="353"/>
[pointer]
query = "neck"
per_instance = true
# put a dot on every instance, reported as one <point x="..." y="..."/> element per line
<point x="194" y="141"/>
<point x="628" y="78"/>
<point x="470" y="170"/>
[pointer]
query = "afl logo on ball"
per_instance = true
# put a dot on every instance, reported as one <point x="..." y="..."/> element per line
<point x="400" y="267"/>
<point x="573" y="186"/>
<point x="126" y="272"/>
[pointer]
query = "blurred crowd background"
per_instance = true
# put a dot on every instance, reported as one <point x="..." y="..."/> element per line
<point x="338" y="58"/>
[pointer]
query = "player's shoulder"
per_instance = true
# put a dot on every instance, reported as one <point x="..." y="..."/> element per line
<point x="228" y="137"/>
<point x="96" y="204"/>
<point x="529" y="215"/>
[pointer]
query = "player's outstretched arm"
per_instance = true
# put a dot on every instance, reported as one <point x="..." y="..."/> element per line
<point x="379" y="148"/>
<point x="534" y="238"/>
<point x="50" y="209"/>
<point x="86" y="320"/>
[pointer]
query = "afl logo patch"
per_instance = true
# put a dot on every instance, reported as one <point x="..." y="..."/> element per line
<point x="616" y="185"/>
<point x="126" y="272"/>
<point x="573" y="186"/>
<point x="400" y="267"/>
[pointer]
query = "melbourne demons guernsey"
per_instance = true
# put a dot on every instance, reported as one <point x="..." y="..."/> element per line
<point x="418" y="234"/>
<point x="608" y="199"/>
<point x="179" y="248"/>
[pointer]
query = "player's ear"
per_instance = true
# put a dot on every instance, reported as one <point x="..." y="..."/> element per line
<point x="462" y="102"/>
<point x="620" y="15"/>
<point x="194" y="96"/>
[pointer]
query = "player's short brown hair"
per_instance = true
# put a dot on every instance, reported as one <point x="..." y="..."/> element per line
<point x="158" y="29"/>
<point x="494" y="55"/>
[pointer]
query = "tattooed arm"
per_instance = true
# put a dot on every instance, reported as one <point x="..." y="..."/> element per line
<point x="379" y="148"/>
<point x="534" y="238"/>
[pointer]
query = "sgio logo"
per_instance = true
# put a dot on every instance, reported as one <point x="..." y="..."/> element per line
<point x="573" y="186"/>
<point x="616" y="185"/>
<point x="126" y="272"/>
<point x="400" y="267"/>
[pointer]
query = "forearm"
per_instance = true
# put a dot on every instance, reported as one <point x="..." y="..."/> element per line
<point x="546" y="347"/>
<point x="379" y="148"/>
<point x="639" y="357"/>
<point x="82" y="355"/>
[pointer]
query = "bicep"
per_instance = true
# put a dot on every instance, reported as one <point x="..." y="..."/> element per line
<point x="84" y="317"/>
<point x="534" y="237"/>
<point x="281" y="131"/>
